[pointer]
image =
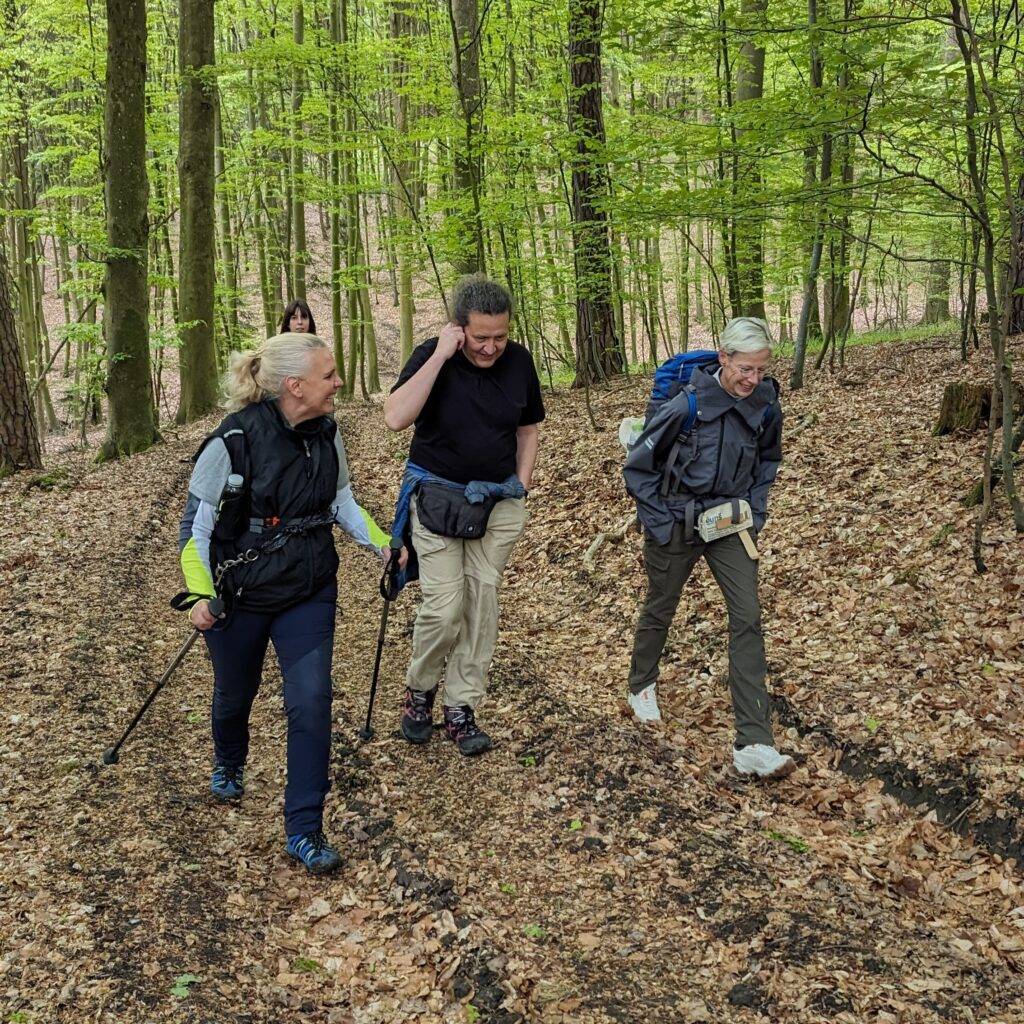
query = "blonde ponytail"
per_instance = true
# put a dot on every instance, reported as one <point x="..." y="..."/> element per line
<point x="260" y="373"/>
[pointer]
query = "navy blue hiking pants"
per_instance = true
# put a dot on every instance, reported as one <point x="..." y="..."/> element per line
<point x="303" y="637"/>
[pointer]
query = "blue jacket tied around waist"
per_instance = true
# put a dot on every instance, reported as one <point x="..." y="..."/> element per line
<point x="476" y="491"/>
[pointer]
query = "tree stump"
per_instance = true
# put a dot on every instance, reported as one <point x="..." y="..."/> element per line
<point x="967" y="405"/>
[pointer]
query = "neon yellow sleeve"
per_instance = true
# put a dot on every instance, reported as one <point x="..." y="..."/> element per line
<point x="378" y="538"/>
<point x="197" y="576"/>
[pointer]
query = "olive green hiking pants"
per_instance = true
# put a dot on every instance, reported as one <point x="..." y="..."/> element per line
<point x="668" y="568"/>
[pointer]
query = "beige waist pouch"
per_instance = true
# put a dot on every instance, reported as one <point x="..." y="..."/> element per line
<point x="727" y="518"/>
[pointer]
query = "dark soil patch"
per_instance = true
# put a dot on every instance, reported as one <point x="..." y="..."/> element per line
<point x="949" y="789"/>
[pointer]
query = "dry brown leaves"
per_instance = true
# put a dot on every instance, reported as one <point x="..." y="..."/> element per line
<point x="586" y="870"/>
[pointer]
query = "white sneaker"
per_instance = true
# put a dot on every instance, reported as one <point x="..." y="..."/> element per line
<point x="645" y="704"/>
<point x="761" y="760"/>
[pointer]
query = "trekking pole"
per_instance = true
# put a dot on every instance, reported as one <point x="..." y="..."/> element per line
<point x="389" y="590"/>
<point x="111" y="755"/>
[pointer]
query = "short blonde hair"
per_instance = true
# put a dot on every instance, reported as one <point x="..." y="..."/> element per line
<point x="746" y="334"/>
<point x="260" y="373"/>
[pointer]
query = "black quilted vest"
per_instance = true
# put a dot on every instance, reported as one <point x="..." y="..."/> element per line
<point x="292" y="472"/>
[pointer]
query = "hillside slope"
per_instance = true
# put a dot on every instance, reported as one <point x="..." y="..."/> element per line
<point x="586" y="870"/>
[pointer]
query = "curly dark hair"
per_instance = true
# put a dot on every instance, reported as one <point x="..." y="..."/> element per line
<point x="476" y="293"/>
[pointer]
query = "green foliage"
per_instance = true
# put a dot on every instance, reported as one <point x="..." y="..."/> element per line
<point x="692" y="170"/>
<point x="795" y="843"/>
<point x="183" y="985"/>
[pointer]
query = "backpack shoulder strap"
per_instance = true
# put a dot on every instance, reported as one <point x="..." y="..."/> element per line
<point x="691" y="416"/>
<point x="238" y="451"/>
<point x="232" y="434"/>
<point x="685" y="429"/>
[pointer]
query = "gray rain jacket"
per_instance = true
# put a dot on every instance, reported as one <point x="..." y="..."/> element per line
<point x="733" y="451"/>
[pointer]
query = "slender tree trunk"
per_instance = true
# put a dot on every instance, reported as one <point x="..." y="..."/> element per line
<point x="401" y="169"/>
<point x="19" y="439"/>
<point x="337" y="242"/>
<point x="748" y="229"/>
<point x="598" y="352"/>
<point x="299" y="255"/>
<point x="469" y="257"/>
<point x="227" y="245"/>
<point x="809" y="305"/>
<point x="197" y="252"/>
<point x="131" y="424"/>
<point x="1015" y="290"/>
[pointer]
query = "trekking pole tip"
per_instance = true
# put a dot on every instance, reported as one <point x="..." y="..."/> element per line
<point x="366" y="734"/>
<point x="111" y="756"/>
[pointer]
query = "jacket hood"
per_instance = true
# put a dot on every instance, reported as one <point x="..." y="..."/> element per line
<point x="714" y="401"/>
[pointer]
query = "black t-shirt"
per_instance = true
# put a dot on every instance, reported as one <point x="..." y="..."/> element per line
<point x="467" y="427"/>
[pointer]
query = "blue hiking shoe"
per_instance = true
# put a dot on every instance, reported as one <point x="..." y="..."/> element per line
<point x="313" y="850"/>
<point x="226" y="783"/>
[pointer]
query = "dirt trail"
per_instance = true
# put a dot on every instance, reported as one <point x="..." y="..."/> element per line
<point x="586" y="870"/>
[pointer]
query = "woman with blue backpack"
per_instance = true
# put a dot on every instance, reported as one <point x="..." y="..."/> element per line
<point x="700" y="472"/>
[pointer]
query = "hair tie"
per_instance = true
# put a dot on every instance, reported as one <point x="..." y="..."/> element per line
<point x="254" y="367"/>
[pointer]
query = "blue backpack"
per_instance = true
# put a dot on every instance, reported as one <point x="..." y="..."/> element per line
<point x="670" y="378"/>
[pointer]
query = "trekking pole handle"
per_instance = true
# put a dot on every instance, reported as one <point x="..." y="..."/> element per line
<point x="215" y="606"/>
<point x="389" y="578"/>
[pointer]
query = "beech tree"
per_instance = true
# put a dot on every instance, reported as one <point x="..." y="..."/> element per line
<point x="197" y="245"/>
<point x="19" y="439"/>
<point x="598" y="353"/>
<point x="131" y="426"/>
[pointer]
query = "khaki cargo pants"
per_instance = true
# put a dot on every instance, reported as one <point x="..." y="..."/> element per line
<point x="458" y="615"/>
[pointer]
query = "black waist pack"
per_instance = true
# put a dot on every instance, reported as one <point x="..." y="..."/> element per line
<point x="444" y="510"/>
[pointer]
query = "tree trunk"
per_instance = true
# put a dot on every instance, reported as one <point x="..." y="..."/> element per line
<point x="227" y="245"/>
<point x="748" y="226"/>
<point x="1016" y="289"/>
<point x="402" y="31"/>
<point x="967" y="405"/>
<point x="197" y="252"/>
<point x="131" y="424"/>
<point x="809" y="306"/>
<point x="337" y="243"/>
<point x="467" y="165"/>
<point x="19" y="439"/>
<point x="598" y="353"/>
<point x="299" y="254"/>
<point x="936" y="306"/>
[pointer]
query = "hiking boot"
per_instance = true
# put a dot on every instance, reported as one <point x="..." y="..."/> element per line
<point x="226" y="783"/>
<point x="762" y="760"/>
<point x="313" y="850"/>
<point x="460" y="726"/>
<point x="645" y="704"/>
<point x="418" y="715"/>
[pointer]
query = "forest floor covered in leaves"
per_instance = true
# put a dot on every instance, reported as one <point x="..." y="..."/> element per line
<point x="586" y="870"/>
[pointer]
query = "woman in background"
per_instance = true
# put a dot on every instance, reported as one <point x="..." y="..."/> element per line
<point x="297" y="318"/>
